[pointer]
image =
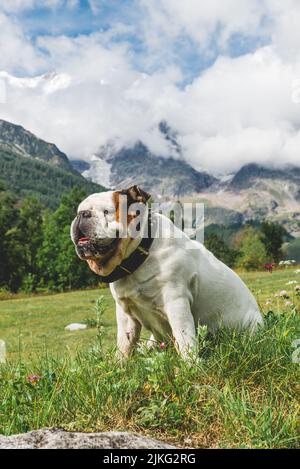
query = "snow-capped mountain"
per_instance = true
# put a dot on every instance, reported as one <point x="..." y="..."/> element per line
<point x="169" y="177"/>
<point x="48" y="82"/>
<point x="255" y="192"/>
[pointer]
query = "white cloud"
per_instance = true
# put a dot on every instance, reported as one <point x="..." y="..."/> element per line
<point x="17" y="51"/>
<point x="208" y="24"/>
<point x="13" y="6"/>
<point x="239" y="110"/>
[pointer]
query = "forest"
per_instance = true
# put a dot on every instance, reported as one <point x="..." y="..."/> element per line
<point x="36" y="252"/>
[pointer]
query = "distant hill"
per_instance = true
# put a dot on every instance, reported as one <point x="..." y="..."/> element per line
<point x="27" y="144"/>
<point x="252" y="173"/>
<point x="260" y="193"/>
<point x="30" y="166"/>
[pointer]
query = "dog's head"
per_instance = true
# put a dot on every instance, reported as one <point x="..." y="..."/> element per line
<point x="107" y="225"/>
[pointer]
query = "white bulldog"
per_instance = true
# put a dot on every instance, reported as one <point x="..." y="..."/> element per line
<point x="168" y="284"/>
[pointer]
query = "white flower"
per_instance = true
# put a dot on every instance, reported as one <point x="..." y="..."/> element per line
<point x="291" y="282"/>
<point x="289" y="303"/>
<point x="288" y="262"/>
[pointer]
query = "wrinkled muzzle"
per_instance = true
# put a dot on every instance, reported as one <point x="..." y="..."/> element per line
<point x="91" y="239"/>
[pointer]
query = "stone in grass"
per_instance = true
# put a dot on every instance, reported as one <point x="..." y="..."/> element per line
<point x="60" y="439"/>
<point x="2" y="351"/>
<point x="75" y="327"/>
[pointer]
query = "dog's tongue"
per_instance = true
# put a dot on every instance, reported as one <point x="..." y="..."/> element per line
<point x="83" y="240"/>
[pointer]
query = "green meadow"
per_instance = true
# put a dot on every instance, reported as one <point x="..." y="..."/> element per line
<point x="243" y="392"/>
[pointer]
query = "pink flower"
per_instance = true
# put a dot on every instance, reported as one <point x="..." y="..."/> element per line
<point x="283" y="293"/>
<point x="289" y="303"/>
<point x="162" y="345"/>
<point x="33" y="379"/>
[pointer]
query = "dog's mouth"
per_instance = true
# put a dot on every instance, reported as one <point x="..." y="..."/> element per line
<point x="94" y="248"/>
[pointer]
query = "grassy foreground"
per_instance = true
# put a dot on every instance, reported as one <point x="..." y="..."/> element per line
<point x="243" y="392"/>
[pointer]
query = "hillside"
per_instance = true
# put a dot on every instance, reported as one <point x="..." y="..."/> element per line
<point x="31" y="167"/>
<point x="27" y="144"/>
<point x="258" y="193"/>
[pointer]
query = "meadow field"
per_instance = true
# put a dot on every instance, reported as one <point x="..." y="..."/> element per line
<point x="243" y="392"/>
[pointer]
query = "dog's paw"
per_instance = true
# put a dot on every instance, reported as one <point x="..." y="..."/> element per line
<point x="121" y="358"/>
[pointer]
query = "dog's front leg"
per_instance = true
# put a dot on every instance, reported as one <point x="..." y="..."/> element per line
<point x="182" y="323"/>
<point x="129" y="330"/>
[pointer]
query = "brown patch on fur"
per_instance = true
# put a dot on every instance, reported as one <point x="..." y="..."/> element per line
<point x="134" y="195"/>
<point x="105" y="265"/>
<point x="119" y="215"/>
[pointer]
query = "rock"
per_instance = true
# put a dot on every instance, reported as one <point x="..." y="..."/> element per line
<point x="75" y="327"/>
<point x="60" y="439"/>
<point x="2" y="351"/>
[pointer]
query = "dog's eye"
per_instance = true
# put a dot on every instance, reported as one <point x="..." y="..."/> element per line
<point x="105" y="212"/>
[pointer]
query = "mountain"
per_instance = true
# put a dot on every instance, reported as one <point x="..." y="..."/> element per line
<point x="28" y="145"/>
<point x="30" y="166"/>
<point x="260" y="192"/>
<point x="252" y="173"/>
<point x="254" y="193"/>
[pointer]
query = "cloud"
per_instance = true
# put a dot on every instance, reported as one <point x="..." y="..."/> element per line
<point x="203" y="21"/>
<point x="18" y="54"/>
<point x="240" y="109"/>
<point x="14" y="6"/>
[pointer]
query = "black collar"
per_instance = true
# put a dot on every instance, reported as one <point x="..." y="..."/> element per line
<point x="135" y="260"/>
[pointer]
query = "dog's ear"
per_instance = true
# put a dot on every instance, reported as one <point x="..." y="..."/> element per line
<point x="136" y="194"/>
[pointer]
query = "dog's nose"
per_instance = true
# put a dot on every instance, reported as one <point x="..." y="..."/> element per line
<point x="85" y="214"/>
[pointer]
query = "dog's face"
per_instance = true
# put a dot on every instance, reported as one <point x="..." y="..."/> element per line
<point x="101" y="231"/>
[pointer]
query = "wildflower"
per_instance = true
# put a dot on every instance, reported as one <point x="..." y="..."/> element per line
<point x="268" y="303"/>
<point x="33" y="379"/>
<point x="162" y="345"/>
<point x="297" y="288"/>
<point x="283" y="294"/>
<point x="291" y="282"/>
<point x="289" y="303"/>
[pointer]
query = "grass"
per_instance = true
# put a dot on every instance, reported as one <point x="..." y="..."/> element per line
<point x="244" y="392"/>
<point x="30" y="326"/>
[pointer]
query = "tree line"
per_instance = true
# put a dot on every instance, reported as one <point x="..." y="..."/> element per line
<point x="251" y="247"/>
<point x="36" y="252"/>
<point x="35" y="247"/>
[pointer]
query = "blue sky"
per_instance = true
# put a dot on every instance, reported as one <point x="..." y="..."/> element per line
<point x="185" y="52"/>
